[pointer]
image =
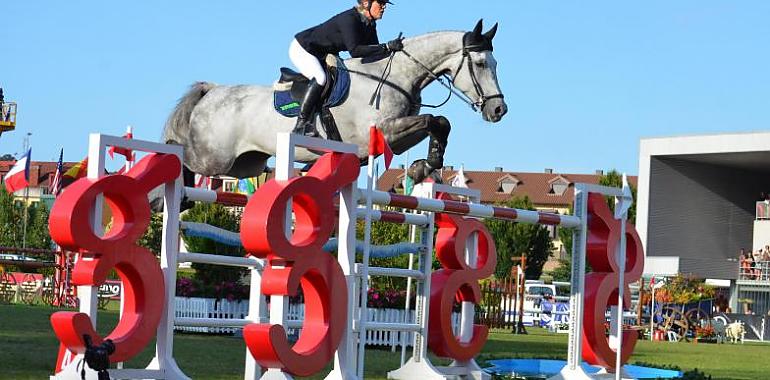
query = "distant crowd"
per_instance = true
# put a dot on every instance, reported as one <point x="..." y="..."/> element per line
<point x="755" y="265"/>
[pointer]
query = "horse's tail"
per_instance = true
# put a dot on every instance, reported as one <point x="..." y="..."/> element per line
<point x="178" y="124"/>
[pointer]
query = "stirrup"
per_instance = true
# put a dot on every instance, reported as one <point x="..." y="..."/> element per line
<point x="310" y="130"/>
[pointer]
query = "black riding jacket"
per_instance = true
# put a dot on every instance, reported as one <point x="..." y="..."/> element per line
<point x="348" y="31"/>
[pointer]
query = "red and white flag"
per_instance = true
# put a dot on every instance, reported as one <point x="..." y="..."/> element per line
<point x="55" y="186"/>
<point x="202" y="181"/>
<point x="18" y="177"/>
<point x="128" y="153"/>
<point x="378" y="145"/>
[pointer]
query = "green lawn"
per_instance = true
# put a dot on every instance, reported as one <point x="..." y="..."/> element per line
<point x="28" y="351"/>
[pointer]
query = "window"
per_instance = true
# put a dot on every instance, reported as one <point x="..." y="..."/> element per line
<point x="230" y="185"/>
<point x="559" y="185"/>
<point x="507" y="184"/>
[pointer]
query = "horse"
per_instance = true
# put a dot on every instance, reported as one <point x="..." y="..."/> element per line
<point x="231" y="130"/>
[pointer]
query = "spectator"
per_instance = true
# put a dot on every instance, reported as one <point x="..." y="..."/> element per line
<point x="749" y="267"/>
<point x="742" y="265"/>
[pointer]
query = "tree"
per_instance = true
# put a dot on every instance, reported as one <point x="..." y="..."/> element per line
<point x="12" y="223"/>
<point x="384" y="233"/>
<point x="7" y="157"/>
<point x="564" y="271"/>
<point x="614" y="179"/>
<point x="37" y="227"/>
<point x="8" y="219"/>
<point x="222" y="217"/>
<point x="153" y="237"/>
<point x="515" y="239"/>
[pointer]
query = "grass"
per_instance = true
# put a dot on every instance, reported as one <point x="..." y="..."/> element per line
<point x="28" y="351"/>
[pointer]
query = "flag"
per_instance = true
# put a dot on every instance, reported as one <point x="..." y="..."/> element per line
<point x="18" y="177"/>
<point x="408" y="185"/>
<point x="202" y="181"/>
<point x="125" y="152"/>
<point x="78" y="170"/>
<point x="246" y="186"/>
<point x="460" y="180"/>
<point x="378" y="145"/>
<point x="55" y="185"/>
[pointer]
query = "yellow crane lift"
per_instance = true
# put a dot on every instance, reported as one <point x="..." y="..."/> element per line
<point x="7" y="117"/>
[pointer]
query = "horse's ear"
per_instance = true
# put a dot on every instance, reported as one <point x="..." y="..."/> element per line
<point x="477" y="29"/>
<point x="491" y="33"/>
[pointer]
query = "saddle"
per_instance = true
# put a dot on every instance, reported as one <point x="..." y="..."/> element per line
<point x="290" y="88"/>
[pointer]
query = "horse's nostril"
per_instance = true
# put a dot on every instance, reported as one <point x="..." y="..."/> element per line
<point x="498" y="110"/>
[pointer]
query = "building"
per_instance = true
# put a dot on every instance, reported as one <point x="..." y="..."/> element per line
<point x="548" y="191"/>
<point x="697" y="207"/>
<point x="40" y="175"/>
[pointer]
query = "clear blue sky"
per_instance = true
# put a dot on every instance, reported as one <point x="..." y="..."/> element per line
<point x="584" y="81"/>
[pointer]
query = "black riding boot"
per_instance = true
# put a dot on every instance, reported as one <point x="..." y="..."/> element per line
<point x="306" y="119"/>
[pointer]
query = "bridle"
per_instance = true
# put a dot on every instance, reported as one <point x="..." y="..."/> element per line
<point x="476" y="106"/>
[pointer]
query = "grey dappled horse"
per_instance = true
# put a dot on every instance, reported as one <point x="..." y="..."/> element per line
<point x="232" y="130"/>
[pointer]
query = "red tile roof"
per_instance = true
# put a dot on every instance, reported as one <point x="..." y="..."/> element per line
<point x="537" y="186"/>
<point x="40" y="172"/>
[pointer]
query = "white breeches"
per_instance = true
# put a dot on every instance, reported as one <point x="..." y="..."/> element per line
<point x="306" y="63"/>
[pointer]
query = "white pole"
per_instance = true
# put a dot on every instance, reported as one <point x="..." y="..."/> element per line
<point x="408" y="303"/>
<point x="621" y="275"/>
<point x="362" y="316"/>
<point x="652" y="308"/>
<point x="622" y="204"/>
<point x="129" y="165"/>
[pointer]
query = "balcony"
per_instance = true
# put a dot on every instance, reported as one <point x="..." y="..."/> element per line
<point x="754" y="272"/>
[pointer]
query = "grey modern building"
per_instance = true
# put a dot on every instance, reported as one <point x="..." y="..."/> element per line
<point x="697" y="204"/>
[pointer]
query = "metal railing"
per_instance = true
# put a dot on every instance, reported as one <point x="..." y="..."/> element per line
<point x="8" y="113"/>
<point x="754" y="270"/>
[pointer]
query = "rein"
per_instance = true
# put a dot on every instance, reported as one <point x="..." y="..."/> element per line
<point x="476" y="106"/>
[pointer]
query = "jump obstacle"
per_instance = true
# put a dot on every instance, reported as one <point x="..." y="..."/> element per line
<point x="287" y="253"/>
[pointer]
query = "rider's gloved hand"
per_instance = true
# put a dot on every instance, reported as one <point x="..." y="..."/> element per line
<point x="395" y="45"/>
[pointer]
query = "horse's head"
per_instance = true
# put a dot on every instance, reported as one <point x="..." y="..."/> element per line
<point x="476" y="74"/>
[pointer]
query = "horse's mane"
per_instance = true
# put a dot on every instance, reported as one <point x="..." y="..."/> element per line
<point x="431" y="34"/>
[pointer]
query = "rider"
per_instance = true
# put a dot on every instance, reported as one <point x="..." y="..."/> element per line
<point x="354" y="31"/>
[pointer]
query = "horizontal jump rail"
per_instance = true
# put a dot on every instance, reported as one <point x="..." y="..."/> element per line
<point x="233" y="261"/>
<point x="412" y="203"/>
<point x="391" y="272"/>
<point x="211" y="322"/>
<point x="473" y="209"/>
<point x="410" y="327"/>
<point x="240" y="200"/>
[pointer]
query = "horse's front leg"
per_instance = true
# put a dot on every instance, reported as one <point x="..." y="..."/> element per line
<point x="406" y="132"/>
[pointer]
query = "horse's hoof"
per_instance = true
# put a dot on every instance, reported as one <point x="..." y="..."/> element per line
<point x="419" y="171"/>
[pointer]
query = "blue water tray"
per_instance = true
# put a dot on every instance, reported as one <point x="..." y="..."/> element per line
<point x="543" y="367"/>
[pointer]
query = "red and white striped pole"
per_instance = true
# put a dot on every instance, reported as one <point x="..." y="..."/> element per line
<point x="473" y="209"/>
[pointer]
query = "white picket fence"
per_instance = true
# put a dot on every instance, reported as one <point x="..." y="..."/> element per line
<point x="211" y="308"/>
